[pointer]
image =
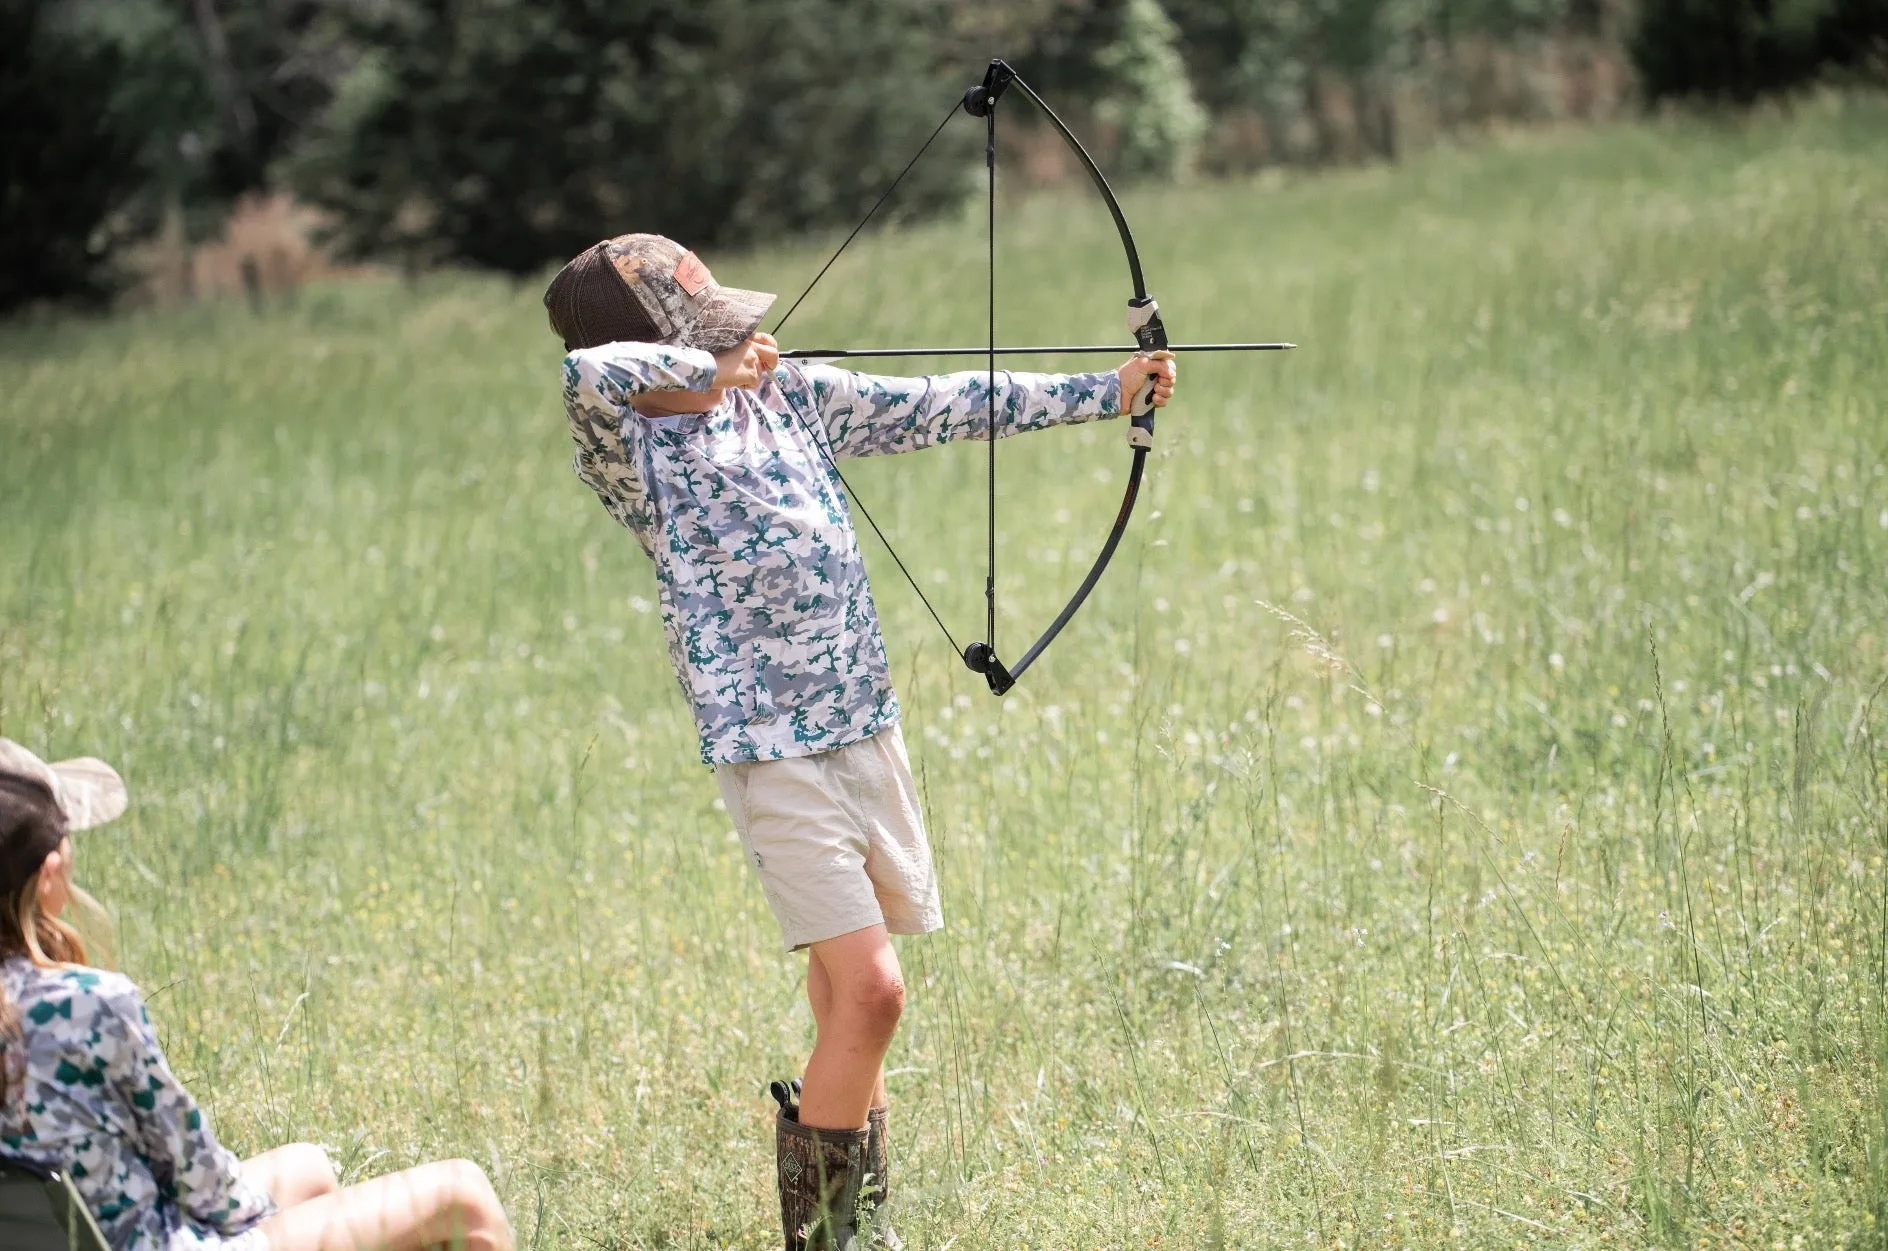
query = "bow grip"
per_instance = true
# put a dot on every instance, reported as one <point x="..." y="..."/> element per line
<point x="1141" y="421"/>
<point x="1145" y="325"/>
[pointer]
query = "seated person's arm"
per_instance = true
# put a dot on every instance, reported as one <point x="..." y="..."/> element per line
<point x="173" y="1133"/>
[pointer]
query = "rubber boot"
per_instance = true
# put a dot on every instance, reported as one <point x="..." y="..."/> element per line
<point x="878" y="1182"/>
<point x="820" y="1172"/>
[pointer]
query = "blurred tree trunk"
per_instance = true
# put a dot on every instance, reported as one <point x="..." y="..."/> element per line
<point x="1318" y="109"/>
<point x="1586" y="17"/>
<point x="1374" y="101"/>
<point x="238" y="111"/>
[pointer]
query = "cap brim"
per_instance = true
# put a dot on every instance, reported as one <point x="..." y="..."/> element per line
<point x="728" y="318"/>
<point x="91" y="792"/>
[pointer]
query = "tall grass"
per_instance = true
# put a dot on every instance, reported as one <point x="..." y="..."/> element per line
<point x="1458" y="819"/>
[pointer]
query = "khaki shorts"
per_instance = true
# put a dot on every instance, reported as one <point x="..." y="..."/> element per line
<point x="837" y="839"/>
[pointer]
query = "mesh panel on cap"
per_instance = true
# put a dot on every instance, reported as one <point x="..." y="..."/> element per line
<point x="590" y="304"/>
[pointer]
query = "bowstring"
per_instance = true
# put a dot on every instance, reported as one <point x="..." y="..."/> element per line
<point x="852" y="497"/>
<point x="989" y="589"/>
<point x="896" y="559"/>
<point x="832" y="462"/>
<point x="869" y="213"/>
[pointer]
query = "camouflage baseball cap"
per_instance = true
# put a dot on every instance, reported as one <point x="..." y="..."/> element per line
<point x="648" y="289"/>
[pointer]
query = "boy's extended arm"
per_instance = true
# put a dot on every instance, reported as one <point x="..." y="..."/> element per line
<point x="871" y="415"/>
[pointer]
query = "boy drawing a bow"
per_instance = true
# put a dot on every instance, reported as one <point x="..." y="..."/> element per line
<point x="719" y="459"/>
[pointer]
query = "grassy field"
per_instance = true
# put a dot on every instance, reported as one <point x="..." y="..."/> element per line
<point x="1458" y="820"/>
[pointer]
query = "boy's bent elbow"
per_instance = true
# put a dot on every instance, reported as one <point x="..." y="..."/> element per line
<point x="585" y="382"/>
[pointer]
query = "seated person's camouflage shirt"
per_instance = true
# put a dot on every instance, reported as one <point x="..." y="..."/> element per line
<point x="764" y="600"/>
<point x="99" y="1103"/>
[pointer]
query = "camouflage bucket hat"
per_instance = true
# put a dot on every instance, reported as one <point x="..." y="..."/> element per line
<point x="648" y="289"/>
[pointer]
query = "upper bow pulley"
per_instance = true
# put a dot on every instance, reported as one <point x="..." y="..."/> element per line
<point x="1143" y="322"/>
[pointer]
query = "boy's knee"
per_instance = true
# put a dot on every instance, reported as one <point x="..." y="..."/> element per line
<point x="880" y="1000"/>
<point x="294" y="1173"/>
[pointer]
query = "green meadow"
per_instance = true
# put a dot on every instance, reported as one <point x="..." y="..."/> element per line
<point x="1457" y="819"/>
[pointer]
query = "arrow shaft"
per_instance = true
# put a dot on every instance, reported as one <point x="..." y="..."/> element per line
<point x="1107" y="349"/>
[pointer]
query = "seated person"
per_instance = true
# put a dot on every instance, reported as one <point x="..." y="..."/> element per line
<point x="84" y="1087"/>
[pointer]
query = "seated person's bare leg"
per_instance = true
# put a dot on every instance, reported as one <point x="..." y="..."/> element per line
<point x="293" y="1174"/>
<point x="448" y="1204"/>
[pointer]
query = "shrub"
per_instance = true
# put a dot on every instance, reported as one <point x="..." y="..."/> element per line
<point x="98" y="101"/>
<point x="512" y="134"/>
<point x="1737" y="50"/>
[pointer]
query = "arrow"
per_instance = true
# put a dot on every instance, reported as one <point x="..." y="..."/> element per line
<point x="807" y="354"/>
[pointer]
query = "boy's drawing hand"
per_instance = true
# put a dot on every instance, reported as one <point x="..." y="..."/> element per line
<point x="743" y="367"/>
<point x="1160" y="366"/>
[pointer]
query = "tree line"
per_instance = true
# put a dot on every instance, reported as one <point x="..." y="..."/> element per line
<point x="509" y="133"/>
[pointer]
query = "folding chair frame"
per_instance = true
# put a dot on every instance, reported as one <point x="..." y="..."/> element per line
<point x="63" y="1204"/>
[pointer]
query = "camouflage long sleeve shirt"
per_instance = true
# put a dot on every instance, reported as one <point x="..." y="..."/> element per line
<point x="100" y="1103"/>
<point x="770" y="623"/>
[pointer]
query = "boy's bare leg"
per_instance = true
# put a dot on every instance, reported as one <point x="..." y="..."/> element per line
<point x="819" y="993"/>
<point x="864" y="995"/>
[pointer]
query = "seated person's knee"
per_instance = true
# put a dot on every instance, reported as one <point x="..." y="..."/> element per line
<point x="313" y="1164"/>
<point x="475" y="1204"/>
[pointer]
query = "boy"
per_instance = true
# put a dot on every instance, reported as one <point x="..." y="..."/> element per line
<point x="720" y="460"/>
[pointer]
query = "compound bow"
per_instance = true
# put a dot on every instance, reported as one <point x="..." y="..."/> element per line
<point x="1143" y="319"/>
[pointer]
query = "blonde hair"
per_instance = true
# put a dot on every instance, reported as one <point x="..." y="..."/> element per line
<point x="48" y="940"/>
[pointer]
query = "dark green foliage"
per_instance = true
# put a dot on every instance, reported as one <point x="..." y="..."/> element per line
<point x="1855" y="35"/>
<point x="1054" y="43"/>
<point x="119" y="111"/>
<point x="511" y="134"/>
<point x="1737" y="50"/>
<point x="1280" y="59"/>
<point x="1506" y="20"/>
<point x="97" y="101"/>
<point x="1244" y="53"/>
<point x="269" y="67"/>
<point x="1259" y="53"/>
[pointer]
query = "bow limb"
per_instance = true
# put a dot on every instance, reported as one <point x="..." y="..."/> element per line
<point x="1135" y="472"/>
<point x="1012" y="78"/>
<point x="1150" y="335"/>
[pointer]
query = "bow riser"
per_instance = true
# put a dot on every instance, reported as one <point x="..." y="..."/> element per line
<point x="1145" y="325"/>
